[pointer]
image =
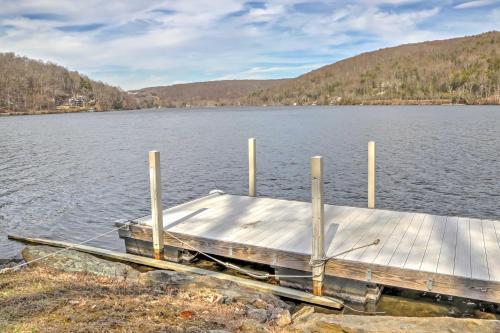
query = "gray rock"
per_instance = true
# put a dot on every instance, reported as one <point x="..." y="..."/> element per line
<point x="74" y="261"/>
<point x="259" y="315"/>
<point x="167" y="277"/>
<point x="318" y="322"/>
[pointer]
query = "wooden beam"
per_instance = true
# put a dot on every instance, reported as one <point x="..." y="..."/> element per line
<point x="130" y="258"/>
<point x="371" y="174"/>
<point x="354" y="270"/>
<point x="156" y="205"/>
<point x="318" y="225"/>
<point x="252" y="167"/>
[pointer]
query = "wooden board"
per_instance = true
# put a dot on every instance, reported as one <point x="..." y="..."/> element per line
<point x="129" y="258"/>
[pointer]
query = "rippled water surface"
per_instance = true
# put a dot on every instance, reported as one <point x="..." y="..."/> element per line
<point x="70" y="176"/>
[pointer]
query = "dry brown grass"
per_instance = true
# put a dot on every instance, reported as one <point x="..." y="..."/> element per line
<point x="37" y="299"/>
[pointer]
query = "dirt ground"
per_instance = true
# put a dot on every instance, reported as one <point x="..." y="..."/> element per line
<point x="37" y="299"/>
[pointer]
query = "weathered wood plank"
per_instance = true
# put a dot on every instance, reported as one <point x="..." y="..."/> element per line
<point x="385" y="254"/>
<point x="431" y="257"/>
<point x="344" y="240"/>
<point x="446" y="262"/>
<point x="462" y="252"/>
<point x="492" y="249"/>
<point x="478" y="259"/>
<point x="126" y="257"/>
<point x="370" y="253"/>
<point x="372" y="226"/>
<point x="419" y="247"/>
<point x="404" y="247"/>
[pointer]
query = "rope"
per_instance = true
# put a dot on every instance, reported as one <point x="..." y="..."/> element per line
<point x="313" y="263"/>
<point x="17" y="267"/>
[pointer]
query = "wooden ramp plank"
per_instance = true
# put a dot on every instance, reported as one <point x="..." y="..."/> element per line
<point x="419" y="248"/>
<point x="387" y="251"/>
<point x="130" y="258"/>
<point x="462" y="254"/>
<point x="431" y="257"/>
<point x="478" y="259"/>
<point x="446" y="262"/>
<point x="404" y="247"/>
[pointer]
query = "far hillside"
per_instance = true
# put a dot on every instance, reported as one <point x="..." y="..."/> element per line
<point x="459" y="70"/>
<point x="211" y="93"/>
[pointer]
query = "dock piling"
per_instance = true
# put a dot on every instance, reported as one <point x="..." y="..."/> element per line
<point x="371" y="174"/>
<point x="252" y="167"/>
<point x="318" y="246"/>
<point x="156" y="205"/>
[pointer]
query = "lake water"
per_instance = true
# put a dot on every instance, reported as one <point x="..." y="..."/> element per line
<point x="69" y="176"/>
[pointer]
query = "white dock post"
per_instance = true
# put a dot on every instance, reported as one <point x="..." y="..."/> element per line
<point x="371" y="174"/>
<point x="252" y="167"/>
<point x="156" y="206"/>
<point x="318" y="246"/>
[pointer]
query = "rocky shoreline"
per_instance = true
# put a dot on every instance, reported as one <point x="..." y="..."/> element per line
<point x="63" y="291"/>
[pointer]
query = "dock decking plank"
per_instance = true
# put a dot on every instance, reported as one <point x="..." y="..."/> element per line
<point x="371" y="252"/>
<point x="462" y="254"/>
<point x="419" y="247"/>
<point x="371" y="227"/>
<point x="431" y="257"/>
<point x="387" y="251"/>
<point x="345" y="234"/>
<point x="492" y="249"/>
<point x="446" y="262"/>
<point x="478" y="259"/>
<point x="404" y="247"/>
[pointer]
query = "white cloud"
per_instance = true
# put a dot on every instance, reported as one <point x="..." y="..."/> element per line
<point x="162" y="42"/>
<point x="474" y="4"/>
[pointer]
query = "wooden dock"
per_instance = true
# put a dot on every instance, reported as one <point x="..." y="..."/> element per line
<point x="447" y="255"/>
<point x="439" y="254"/>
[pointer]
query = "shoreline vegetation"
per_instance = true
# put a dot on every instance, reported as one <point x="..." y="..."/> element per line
<point x="446" y="102"/>
<point x="463" y="70"/>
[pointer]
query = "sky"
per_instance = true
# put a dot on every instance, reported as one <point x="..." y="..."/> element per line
<point x="135" y="44"/>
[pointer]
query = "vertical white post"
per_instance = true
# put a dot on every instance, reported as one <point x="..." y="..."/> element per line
<point x="156" y="206"/>
<point x="318" y="246"/>
<point x="371" y="174"/>
<point x="252" y="167"/>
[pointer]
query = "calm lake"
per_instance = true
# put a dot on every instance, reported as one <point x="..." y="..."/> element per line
<point x="69" y="176"/>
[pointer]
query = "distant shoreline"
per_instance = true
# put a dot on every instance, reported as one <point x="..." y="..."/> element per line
<point x="371" y="103"/>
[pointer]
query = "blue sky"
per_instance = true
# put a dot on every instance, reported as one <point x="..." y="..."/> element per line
<point x="135" y="44"/>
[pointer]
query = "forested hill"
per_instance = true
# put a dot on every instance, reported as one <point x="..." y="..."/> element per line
<point x="459" y="70"/>
<point x="30" y="86"/>
<point x="211" y="93"/>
